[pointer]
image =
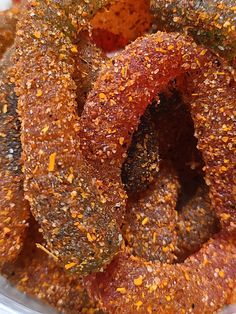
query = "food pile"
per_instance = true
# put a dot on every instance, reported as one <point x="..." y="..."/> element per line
<point x="117" y="174"/>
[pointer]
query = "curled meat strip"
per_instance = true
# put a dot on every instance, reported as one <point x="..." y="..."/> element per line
<point x="211" y="23"/>
<point x="13" y="208"/>
<point x="165" y="221"/>
<point x="206" y="280"/>
<point x="202" y="284"/>
<point x="66" y="194"/>
<point x="103" y="144"/>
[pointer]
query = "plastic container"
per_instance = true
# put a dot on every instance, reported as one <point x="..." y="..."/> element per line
<point x="4" y="4"/>
<point x="14" y="302"/>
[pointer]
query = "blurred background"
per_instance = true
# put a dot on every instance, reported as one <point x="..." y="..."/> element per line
<point x="4" y="4"/>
